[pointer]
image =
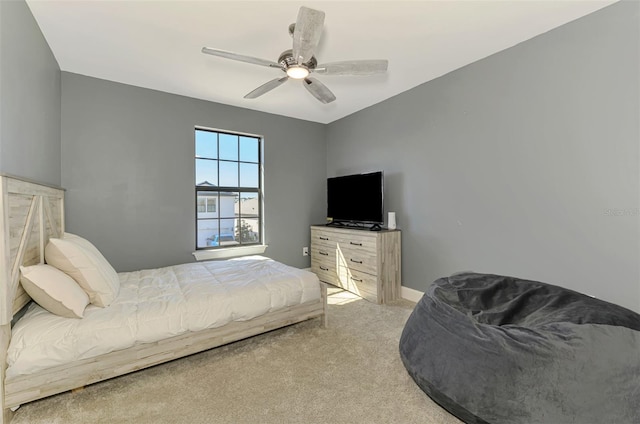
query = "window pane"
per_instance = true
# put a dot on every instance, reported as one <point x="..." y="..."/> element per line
<point x="227" y="232"/>
<point x="228" y="146"/>
<point x="206" y="172"/>
<point x="249" y="175"/>
<point x="228" y="174"/>
<point x="206" y="144"/>
<point x="207" y="232"/>
<point x="248" y="205"/>
<point x="248" y="213"/>
<point x="207" y="205"/>
<point x="248" y="149"/>
<point x="248" y="230"/>
<point x="227" y="205"/>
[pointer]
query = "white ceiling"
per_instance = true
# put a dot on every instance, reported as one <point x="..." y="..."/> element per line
<point x="156" y="44"/>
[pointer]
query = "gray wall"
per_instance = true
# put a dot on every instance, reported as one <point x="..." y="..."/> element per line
<point x="128" y="167"/>
<point x="29" y="98"/>
<point x="525" y="163"/>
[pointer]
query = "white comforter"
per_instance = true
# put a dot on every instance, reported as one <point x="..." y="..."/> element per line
<point x="159" y="303"/>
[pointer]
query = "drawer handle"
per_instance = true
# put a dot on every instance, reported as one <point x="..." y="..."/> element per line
<point x="324" y="238"/>
<point x="359" y="280"/>
<point x="354" y="261"/>
<point x="355" y="244"/>
<point x="323" y="268"/>
<point x="323" y="253"/>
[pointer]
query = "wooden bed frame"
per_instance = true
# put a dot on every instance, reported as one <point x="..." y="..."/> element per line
<point x="30" y="214"/>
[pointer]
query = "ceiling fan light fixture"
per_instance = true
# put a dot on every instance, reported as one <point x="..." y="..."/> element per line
<point x="297" y="72"/>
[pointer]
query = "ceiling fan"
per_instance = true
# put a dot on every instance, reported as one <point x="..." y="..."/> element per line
<point x="298" y="63"/>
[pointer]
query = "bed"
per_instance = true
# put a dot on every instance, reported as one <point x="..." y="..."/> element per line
<point x="156" y="316"/>
<point x="504" y="350"/>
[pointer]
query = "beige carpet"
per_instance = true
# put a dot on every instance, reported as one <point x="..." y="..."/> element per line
<point x="350" y="372"/>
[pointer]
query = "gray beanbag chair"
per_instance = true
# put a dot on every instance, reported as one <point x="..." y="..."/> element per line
<point x="496" y="349"/>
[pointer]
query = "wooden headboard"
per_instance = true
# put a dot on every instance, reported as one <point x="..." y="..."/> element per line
<point x="30" y="213"/>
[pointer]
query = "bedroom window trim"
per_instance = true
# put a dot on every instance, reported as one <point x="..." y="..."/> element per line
<point x="229" y="252"/>
<point x="246" y="241"/>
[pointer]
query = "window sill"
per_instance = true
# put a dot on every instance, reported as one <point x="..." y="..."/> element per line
<point x="232" y="252"/>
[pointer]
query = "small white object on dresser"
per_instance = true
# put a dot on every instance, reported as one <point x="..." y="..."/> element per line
<point x="364" y="262"/>
<point x="391" y="222"/>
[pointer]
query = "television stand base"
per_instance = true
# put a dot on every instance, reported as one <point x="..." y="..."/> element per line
<point x="355" y="226"/>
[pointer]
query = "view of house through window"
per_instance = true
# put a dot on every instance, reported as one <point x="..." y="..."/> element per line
<point x="228" y="189"/>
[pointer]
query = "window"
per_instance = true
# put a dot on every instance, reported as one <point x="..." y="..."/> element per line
<point x="228" y="189"/>
<point x="206" y="203"/>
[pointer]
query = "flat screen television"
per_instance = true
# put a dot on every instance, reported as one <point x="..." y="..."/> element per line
<point x="356" y="199"/>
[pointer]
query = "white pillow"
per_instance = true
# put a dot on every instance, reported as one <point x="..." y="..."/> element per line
<point x="80" y="259"/>
<point x="54" y="290"/>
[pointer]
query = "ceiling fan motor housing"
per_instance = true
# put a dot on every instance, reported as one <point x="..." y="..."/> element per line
<point x="286" y="60"/>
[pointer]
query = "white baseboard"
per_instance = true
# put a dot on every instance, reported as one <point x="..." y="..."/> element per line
<point x="410" y="294"/>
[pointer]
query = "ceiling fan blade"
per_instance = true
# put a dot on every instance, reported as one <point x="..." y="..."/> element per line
<point x="240" y="57"/>
<point x="353" y="67"/>
<point x="265" y="88"/>
<point x="306" y="34"/>
<point x="318" y="90"/>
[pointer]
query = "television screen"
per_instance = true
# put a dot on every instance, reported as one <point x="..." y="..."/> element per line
<point x="356" y="198"/>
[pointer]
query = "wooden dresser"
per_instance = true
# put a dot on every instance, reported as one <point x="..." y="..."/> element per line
<point x="364" y="262"/>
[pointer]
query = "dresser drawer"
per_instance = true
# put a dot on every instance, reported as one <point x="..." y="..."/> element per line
<point x="360" y="243"/>
<point x="345" y="258"/>
<point x="360" y="283"/>
<point x="320" y="252"/>
<point x="327" y="244"/>
<point x="322" y="236"/>
<point x="325" y="272"/>
<point x="358" y="260"/>
<point x="357" y="239"/>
